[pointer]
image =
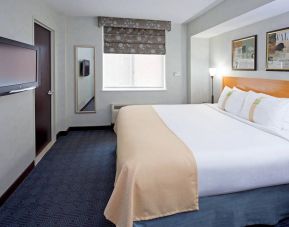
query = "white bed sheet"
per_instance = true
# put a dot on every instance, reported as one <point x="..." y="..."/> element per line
<point x="232" y="155"/>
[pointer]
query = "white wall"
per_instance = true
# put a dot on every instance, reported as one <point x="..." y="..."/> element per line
<point x="220" y="49"/>
<point x="84" y="31"/>
<point x="17" y="126"/>
<point x="199" y="65"/>
<point x="85" y="84"/>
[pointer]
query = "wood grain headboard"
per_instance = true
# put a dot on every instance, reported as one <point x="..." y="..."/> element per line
<point x="277" y="88"/>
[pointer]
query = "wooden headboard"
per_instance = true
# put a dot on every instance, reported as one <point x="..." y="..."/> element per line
<point x="277" y="88"/>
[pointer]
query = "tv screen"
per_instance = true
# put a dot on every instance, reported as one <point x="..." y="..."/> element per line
<point x="18" y="66"/>
<point x="84" y="68"/>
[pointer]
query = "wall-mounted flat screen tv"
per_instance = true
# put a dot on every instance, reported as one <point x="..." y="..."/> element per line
<point x="18" y="66"/>
<point x="84" y="68"/>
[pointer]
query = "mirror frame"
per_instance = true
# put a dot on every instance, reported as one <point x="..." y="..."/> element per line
<point x="76" y="78"/>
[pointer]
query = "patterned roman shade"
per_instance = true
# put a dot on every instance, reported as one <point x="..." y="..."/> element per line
<point x="134" y="36"/>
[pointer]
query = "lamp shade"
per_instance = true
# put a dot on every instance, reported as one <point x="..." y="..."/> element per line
<point x="212" y="71"/>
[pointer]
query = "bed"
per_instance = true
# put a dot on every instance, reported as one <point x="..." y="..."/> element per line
<point x="197" y="165"/>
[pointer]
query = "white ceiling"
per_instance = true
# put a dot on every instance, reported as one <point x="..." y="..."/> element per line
<point x="178" y="11"/>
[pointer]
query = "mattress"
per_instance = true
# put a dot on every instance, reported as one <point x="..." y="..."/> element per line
<point x="232" y="155"/>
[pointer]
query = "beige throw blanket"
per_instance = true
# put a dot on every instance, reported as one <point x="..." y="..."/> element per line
<point x="156" y="173"/>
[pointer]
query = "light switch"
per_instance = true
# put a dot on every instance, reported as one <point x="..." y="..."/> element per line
<point x="177" y="74"/>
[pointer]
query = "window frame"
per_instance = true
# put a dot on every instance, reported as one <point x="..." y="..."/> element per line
<point x="163" y="88"/>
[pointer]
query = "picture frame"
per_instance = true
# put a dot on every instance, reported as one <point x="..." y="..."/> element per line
<point x="277" y="50"/>
<point x="244" y="53"/>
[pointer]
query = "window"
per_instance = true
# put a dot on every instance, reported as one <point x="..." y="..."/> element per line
<point x="133" y="72"/>
<point x="133" y="53"/>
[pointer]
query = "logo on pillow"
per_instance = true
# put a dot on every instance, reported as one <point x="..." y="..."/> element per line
<point x="253" y="108"/>
<point x="226" y="99"/>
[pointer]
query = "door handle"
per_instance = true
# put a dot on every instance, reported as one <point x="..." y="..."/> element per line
<point x="50" y="92"/>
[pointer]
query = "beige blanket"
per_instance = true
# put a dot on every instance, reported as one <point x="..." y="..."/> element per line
<point x="156" y="173"/>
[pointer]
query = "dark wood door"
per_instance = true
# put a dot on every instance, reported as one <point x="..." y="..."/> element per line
<point x="42" y="39"/>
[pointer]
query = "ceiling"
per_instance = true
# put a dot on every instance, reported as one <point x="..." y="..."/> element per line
<point x="177" y="11"/>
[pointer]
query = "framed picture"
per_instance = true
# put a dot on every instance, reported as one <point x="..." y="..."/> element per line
<point x="244" y="53"/>
<point x="277" y="49"/>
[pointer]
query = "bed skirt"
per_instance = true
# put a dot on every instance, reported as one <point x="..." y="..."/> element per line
<point x="259" y="206"/>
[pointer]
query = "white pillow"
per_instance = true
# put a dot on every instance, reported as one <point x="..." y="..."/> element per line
<point x="249" y="100"/>
<point x="269" y="112"/>
<point x="235" y="102"/>
<point x="237" y="89"/>
<point x="223" y="97"/>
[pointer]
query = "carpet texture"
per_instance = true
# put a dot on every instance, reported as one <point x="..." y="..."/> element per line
<point x="70" y="186"/>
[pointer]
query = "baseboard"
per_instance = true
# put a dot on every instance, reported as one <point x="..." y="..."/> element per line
<point x="44" y="151"/>
<point x="61" y="133"/>
<point x="16" y="183"/>
<point x="84" y="128"/>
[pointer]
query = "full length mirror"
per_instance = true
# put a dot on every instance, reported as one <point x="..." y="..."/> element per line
<point x="85" y="79"/>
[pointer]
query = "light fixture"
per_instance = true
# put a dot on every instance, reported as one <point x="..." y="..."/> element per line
<point x="212" y="72"/>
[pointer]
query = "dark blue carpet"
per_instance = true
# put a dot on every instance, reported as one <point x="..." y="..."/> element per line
<point x="70" y="186"/>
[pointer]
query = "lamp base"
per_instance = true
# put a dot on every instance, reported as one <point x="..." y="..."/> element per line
<point x="212" y="77"/>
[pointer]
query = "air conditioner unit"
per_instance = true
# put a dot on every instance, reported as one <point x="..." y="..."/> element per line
<point x="114" y="111"/>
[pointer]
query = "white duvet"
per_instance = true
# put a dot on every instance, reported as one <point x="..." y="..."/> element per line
<point x="232" y="155"/>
